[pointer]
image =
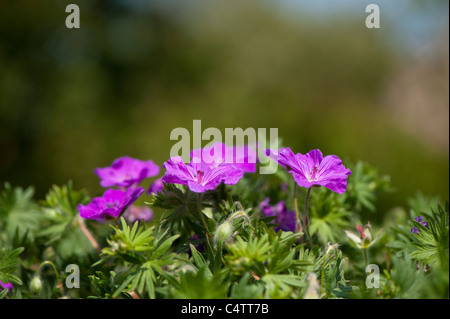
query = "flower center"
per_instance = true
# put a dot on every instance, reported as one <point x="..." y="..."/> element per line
<point x="312" y="175"/>
<point x="199" y="176"/>
<point x="111" y="205"/>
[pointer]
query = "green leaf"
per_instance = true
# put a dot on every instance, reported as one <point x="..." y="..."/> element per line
<point x="9" y="262"/>
<point x="3" y="293"/>
<point x="165" y="246"/>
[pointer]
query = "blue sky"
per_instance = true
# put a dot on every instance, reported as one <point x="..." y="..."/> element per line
<point x="414" y="23"/>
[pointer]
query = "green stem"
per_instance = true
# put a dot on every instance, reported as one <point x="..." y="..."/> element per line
<point x="240" y="213"/>
<point x="47" y="262"/>
<point x="323" y="272"/>
<point x="199" y="203"/>
<point x="308" y="192"/>
<point x="365" y="257"/>
<point x="298" y="227"/>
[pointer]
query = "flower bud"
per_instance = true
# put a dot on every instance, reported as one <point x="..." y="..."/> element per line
<point x="223" y="232"/>
<point x="365" y="240"/>
<point x="313" y="290"/>
<point x="353" y="239"/>
<point x="36" y="285"/>
<point x="368" y="231"/>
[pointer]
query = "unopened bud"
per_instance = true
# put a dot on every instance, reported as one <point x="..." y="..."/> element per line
<point x="313" y="289"/>
<point x="223" y="232"/>
<point x="368" y="232"/>
<point x="36" y="285"/>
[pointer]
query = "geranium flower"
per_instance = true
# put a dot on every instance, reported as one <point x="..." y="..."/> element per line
<point x="200" y="177"/>
<point x="243" y="157"/>
<point x="8" y="285"/>
<point x="126" y="171"/>
<point x="284" y="218"/>
<point x="111" y="204"/>
<point x="418" y="219"/>
<point x="134" y="213"/>
<point x="156" y="186"/>
<point x="312" y="169"/>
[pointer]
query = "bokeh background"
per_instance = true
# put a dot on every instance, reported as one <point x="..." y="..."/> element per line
<point x="75" y="99"/>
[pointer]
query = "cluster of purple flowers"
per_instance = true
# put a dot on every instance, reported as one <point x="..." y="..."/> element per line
<point x="419" y="219"/>
<point x="209" y="167"/>
<point x="126" y="174"/>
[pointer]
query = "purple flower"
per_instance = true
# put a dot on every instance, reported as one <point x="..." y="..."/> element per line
<point x="418" y="219"/>
<point x="200" y="177"/>
<point x="284" y="217"/>
<point x="8" y="286"/>
<point x="111" y="204"/>
<point x="126" y="171"/>
<point x="197" y="242"/>
<point x="313" y="169"/>
<point x="134" y="213"/>
<point x="156" y="186"/>
<point x="243" y="157"/>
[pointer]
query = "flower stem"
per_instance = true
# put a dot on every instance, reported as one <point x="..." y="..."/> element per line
<point x="308" y="192"/>
<point x="298" y="227"/>
<point x="88" y="235"/>
<point x="365" y="257"/>
<point x="199" y="203"/>
<point x="323" y="272"/>
<point x="47" y="262"/>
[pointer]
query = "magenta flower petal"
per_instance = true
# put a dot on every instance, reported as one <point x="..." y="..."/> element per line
<point x="111" y="204"/>
<point x="243" y="157"/>
<point x="156" y="187"/>
<point x="126" y="171"/>
<point x="8" y="285"/>
<point x="314" y="169"/>
<point x="177" y="172"/>
<point x="134" y="213"/>
<point x="200" y="177"/>
<point x="283" y="217"/>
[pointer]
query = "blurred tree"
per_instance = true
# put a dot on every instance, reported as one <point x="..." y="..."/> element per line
<point x="75" y="99"/>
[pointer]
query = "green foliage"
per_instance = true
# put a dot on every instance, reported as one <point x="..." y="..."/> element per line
<point x="176" y="256"/>
<point x="105" y="286"/>
<point x="432" y="243"/>
<point x="365" y="183"/>
<point x="331" y="212"/>
<point x="409" y="280"/>
<point x="198" y="284"/>
<point x="9" y="262"/>
<point x="329" y="215"/>
<point x="183" y="205"/>
<point x="61" y="222"/>
<point x="19" y="214"/>
<point x="141" y="253"/>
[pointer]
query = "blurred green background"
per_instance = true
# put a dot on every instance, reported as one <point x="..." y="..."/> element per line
<point x="72" y="100"/>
